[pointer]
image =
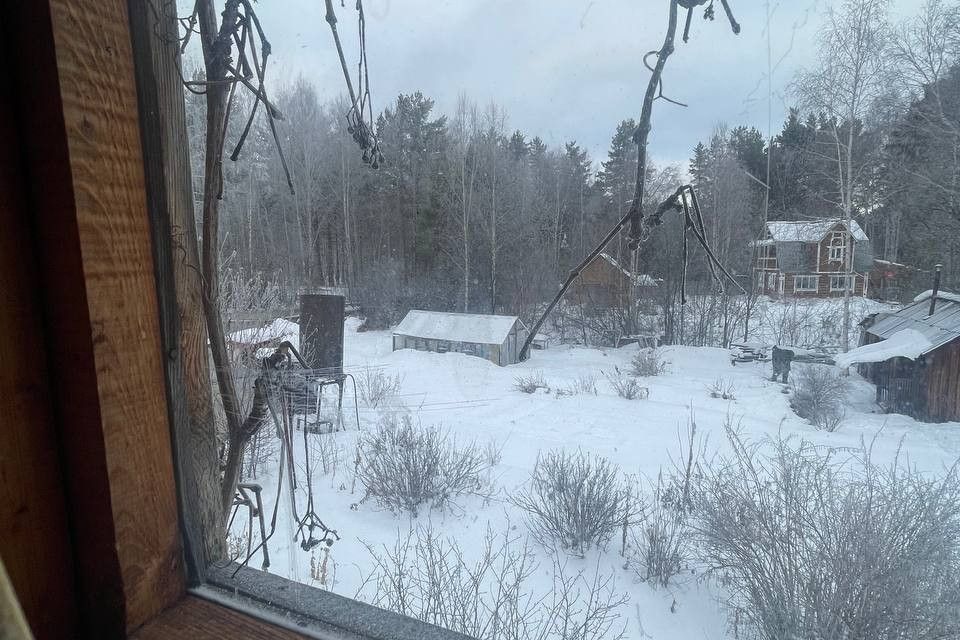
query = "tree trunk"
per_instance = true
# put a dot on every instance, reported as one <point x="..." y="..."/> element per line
<point x="847" y="187"/>
<point x="217" y="46"/>
<point x="348" y="245"/>
<point x="493" y="234"/>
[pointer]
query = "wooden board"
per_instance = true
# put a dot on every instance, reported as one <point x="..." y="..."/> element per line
<point x="182" y="325"/>
<point x="98" y="95"/>
<point x="34" y="539"/>
<point x="199" y="619"/>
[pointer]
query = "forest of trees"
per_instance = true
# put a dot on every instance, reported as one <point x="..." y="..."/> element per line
<point x="467" y="214"/>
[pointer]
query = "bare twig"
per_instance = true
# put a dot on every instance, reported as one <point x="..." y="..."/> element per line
<point x="638" y="232"/>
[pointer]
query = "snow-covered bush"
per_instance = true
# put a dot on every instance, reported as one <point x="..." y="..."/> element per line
<point x="648" y="362"/>
<point x="493" y="453"/>
<point x="626" y="386"/>
<point x="810" y="546"/>
<point x="575" y="500"/>
<point x="530" y="383"/>
<point x="722" y="388"/>
<point x="585" y="384"/>
<point x="375" y="386"/>
<point x="661" y="538"/>
<point x="495" y="597"/>
<point x="404" y="466"/>
<point x="258" y="453"/>
<point x="328" y="448"/>
<point x="818" y="396"/>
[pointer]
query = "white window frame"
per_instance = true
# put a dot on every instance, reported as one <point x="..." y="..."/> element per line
<point x="797" y="279"/>
<point x="838" y="246"/>
<point x="834" y="279"/>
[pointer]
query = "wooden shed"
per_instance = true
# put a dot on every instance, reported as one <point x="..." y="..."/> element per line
<point x="605" y="283"/>
<point x="913" y="357"/>
<point x="494" y="338"/>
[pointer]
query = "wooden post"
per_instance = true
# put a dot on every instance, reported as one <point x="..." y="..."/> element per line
<point x="177" y="266"/>
<point x="77" y="101"/>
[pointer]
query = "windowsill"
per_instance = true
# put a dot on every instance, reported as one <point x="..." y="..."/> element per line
<point x="200" y="619"/>
<point x="268" y="603"/>
<point x="257" y="605"/>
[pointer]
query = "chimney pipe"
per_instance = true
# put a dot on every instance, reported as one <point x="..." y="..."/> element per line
<point x="936" y="288"/>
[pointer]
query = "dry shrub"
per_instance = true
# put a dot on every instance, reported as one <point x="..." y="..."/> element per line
<point x="818" y="395"/>
<point x="723" y="389"/>
<point x="626" y="386"/>
<point x="493" y="598"/>
<point x="530" y="383"/>
<point x="376" y="387"/>
<point x="661" y="539"/>
<point x="810" y="546"/>
<point x="648" y="362"/>
<point x="585" y="385"/>
<point x="328" y="449"/>
<point x="575" y="500"/>
<point x="404" y="466"/>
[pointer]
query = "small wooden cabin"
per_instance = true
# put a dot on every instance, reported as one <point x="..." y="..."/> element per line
<point x="605" y="283"/>
<point x="808" y="259"/>
<point x="494" y="338"/>
<point x="894" y="281"/>
<point x="922" y="378"/>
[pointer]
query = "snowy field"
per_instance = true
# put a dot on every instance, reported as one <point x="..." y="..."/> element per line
<point x="476" y="401"/>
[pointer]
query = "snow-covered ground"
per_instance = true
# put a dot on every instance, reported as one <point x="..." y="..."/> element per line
<point x="475" y="400"/>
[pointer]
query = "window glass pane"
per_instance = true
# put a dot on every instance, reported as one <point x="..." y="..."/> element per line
<point x="410" y="451"/>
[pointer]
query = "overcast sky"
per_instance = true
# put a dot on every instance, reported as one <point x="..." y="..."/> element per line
<point x="562" y="69"/>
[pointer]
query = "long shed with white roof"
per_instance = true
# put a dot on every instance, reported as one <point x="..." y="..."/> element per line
<point x="494" y="338"/>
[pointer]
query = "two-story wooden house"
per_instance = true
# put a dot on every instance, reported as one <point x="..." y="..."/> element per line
<point x="809" y="259"/>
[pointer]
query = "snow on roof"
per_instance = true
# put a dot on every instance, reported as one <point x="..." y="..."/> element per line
<point x="939" y="329"/>
<point x="810" y="230"/>
<point x="905" y="343"/>
<point x="892" y="264"/>
<point x="278" y="330"/>
<point x="457" y="327"/>
<point x="941" y="295"/>
<point x="639" y="280"/>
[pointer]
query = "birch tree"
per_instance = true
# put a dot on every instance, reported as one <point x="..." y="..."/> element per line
<point x="850" y="76"/>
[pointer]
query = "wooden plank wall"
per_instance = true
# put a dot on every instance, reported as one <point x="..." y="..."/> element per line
<point x="943" y="383"/>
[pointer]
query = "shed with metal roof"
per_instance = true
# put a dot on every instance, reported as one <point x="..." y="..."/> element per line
<point x="491" y="337"/>
<point x="921" y="376"/>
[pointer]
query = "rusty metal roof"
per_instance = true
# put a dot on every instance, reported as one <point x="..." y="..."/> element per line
<point x="940" y="328"/>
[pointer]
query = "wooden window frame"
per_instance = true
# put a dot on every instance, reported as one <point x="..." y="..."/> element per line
<point x="114" y="548"/>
